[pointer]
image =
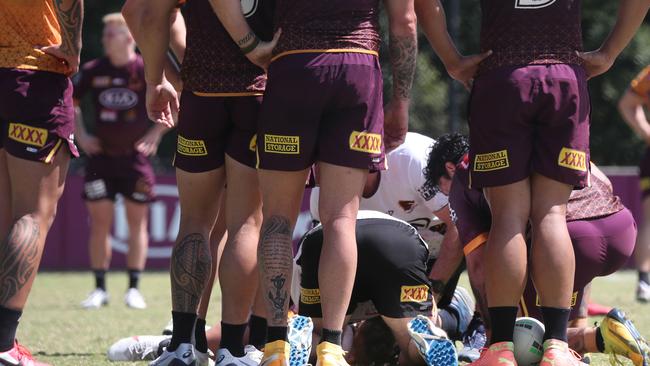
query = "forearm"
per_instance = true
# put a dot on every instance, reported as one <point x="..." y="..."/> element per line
<point x="432" y="20"/>
<point x="69" y="14"/>
<point x="635" y="117"/>
<point x="149" y="22"/>
<point x="173" y="74"/>
<point x="159" y="129"/>
<point x="230" y="14"/>
<point x="449" y="258"/>
<point x="80" y="128"/>
<point x="178" y="35"/>
<point x="403" y="53"/>
<point x="630" y="16"/>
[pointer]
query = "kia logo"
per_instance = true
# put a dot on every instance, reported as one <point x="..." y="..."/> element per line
<point x="118" y="98"/>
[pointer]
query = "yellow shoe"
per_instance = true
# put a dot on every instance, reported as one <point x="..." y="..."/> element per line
<point x="330" y="354"/>
<point x="622" y="338"/>
<point x="276" y="354"/>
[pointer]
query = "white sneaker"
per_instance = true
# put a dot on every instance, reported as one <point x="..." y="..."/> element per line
<point x="96" y="299"/>
<point x="224" y="357"/>
<point x="643" y="292"/>
<point x="184" y="355"/>
<point x="253" y="353"/>
<point x="203" y="359"/>
<point x="432" y="342"/>
<point x="134" y="299"/>
<point x="136" y="348"/>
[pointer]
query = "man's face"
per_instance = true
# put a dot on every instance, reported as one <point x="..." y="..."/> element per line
<point x="116" y="38"/>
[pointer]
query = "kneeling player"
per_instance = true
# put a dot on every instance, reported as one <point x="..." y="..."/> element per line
<point x="602" y="231"/>
<point x="391" y="272"/>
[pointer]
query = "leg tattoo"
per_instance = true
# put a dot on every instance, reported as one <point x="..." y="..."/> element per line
<point x="190" y="270"/>
<point x="18" y="257"/>
<point x="276" y="261"/>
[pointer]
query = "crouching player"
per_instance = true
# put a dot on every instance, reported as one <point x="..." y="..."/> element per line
<point x="602" y="231"/>
<point x="392" y="273"/>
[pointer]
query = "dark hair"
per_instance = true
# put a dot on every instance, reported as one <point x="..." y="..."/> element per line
<point x="449" y="147"/>
<point x="374" y="344"/>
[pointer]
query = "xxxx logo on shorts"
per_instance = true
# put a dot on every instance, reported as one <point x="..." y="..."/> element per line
<point x="491" y="161"/>
<point x="189" y="147"/>
<point x="310" y="296"/>
<point x="572" y="159"/>
<point x="278" y="144"/>
<point x="365" y="142"/>
<point x="27" y="135"/>
<point x="414" y="293"/>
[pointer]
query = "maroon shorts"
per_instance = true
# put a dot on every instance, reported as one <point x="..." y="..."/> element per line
<point x="210" y="127"/>
<point x="36" y="114"/>
<point x="322" y="107"/>
<point x="644" y="174"/>
<point x="530" y="119"/>
<point x="601" y="246"/>
<point x="130" y="176"/>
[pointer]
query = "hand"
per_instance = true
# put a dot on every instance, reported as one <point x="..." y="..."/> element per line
<point x="262" y="54"/>
<point x="465" y="68"/>
<point x="396" y="123"/>
<point x="89" y="144"/>
<point x="72" y="61"/>
<point x="148" y="144"/>
<point x="162" y="103"/>
<point x="596" y="62"/>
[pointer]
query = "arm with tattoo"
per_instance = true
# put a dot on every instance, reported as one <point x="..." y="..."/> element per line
<point x="69" y="14"/>
<point x="403" y="53"/>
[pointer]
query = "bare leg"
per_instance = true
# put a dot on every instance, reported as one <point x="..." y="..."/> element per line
<point x="5" y="196"/>
<point x="137" y="218"/>
<point x="642" y="249"/>
<point x="340" y="193"/>
<point x="101" y="219"/>
<point x="218" y="237"/>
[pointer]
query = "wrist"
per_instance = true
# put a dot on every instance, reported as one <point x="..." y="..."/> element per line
<point x="437" y="286"/>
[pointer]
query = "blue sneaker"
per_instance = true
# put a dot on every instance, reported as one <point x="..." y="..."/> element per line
<point x="474" y="340"/>
<point x="299" y="334"/>
<point x="462" y="305"/>
<point x="432" y="342"/>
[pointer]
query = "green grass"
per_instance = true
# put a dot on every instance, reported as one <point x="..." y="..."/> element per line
<point x="58" y="331"/>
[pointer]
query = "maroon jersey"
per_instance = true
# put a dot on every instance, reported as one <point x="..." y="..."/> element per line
<point x="118" y="95"/>
<point x="528" y="32"/>
<point x="213" y="62"/>
<point x="593" y="202"/>
<point x="327" y="25"/>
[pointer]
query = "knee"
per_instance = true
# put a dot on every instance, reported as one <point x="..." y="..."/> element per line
<point x="548" y="216"/>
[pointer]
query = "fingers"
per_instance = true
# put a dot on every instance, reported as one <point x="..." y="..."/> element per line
<point x="483" y="56"/>
<point x="276" y="37"/>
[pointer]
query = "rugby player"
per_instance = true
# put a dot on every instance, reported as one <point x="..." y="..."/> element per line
<point x="602" y="231"/>
<point x="41" y="42"/>
<point x="399" y="192"/>
<point x="218" y="81"/>
<point x="631" y="107"/>
<point x="391" y="273"/>
<point x="119" y="149"/>
<point x="323" y="104"/>
<point x="536" y="151"/>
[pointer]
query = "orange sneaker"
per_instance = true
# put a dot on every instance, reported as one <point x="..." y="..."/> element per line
<point x="499" y="354"/>
<point x="558" y="353"/>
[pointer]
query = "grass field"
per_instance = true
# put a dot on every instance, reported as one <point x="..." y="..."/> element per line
<point x="58" y="331"/>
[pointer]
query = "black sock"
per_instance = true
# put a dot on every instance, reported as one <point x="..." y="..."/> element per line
<point x="201" y="341"/>
<point x="232" y="338"/>
<point x="276" y="334"/>
<point x="331" y="336"/>
<point x="643" y="277"/>
<point x="183" y="327"/>
<point x="134" y="278"/>
<point x="503" y="320"/>
<point x="8" y="325"/>
<point x="600" y="342"/>
<point x="257" y="331"/>
<point x="450" y="323"/>
<point x="555" y="322"/>
<point x="100" y="278"/>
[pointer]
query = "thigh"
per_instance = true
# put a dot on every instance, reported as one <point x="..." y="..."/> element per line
<point x="101" y="214"/>
<point x="203" y="128"/>
<point x="136" y="214"/>
<point x="243" y="197"/>
<point x="242" y="140"/>
<point x="501" y="127"/>
<point x="561" y="147"/>
<point x="199" y="196"/>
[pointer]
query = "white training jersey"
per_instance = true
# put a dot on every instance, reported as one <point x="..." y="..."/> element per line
<point x="401" y="194"/>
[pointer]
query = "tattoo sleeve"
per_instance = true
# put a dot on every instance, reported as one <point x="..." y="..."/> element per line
<point x="403" y="52"/>
<point x="276" y="261"/>
<point x="190" y="270"/>
<point x="19" y="257"/>
<point x="70" y="16"/>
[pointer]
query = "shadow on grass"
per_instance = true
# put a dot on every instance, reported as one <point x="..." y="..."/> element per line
<point x="70" y="354"/>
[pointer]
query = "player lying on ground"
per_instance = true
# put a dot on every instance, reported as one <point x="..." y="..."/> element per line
<point x="602" y="232"/>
